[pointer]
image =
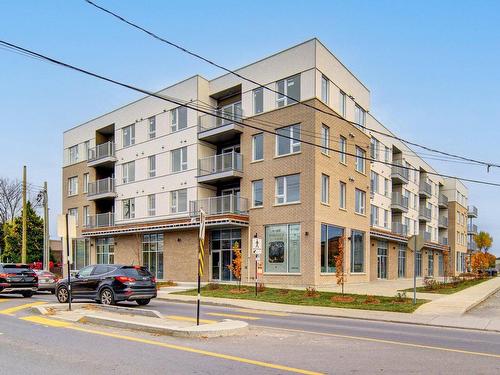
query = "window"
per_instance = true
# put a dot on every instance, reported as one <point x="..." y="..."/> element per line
<point x="85" y="182"/>
<point x="178" y="199"/>
<point x="342" y="98"/>
<point x="73" y="212"/>
<point x="257" y="193"/>
<point x="128" y="172"/>
<point x="325" y="89"/>
<point x="325" y="189"/>
<point x="374" y="215"/>
<point x="331" y="238"/>
<point x="402" y="260"/>
<point x="360" y="159"/>
<point x="73" y="154"/>
<point x="288" y="189"/>
<point x="86" y="148"/>
<point x="72" y="186"/>
<point x="86" y="216"/>
<point x="258" y="147"/>
<point x="258" y="100"/>
<point x="374" y="148"/>
<point x="152" y="127"/>
<point x="359" y="203"/>
<point x="178" y="117"/>
<point x="128" y="208"/>
<point x="105" y="250"/>
<point x="387" y="157"/>
<point x="151" y="205"/>
<point x="282" y="248"/>
<point x="386" y="219"/>
<point x="81" y="254"/>
<point x="288" y="140"/>
<point x="359" y="115"/>
<point x="288" y="91"/>
<point x="152" y="166"/>
<point x="179" y="159"/>
<point x="374" y="182"/>
<point x="128" y="135"/>
<point x="152" y="254"/>
<point x="357" y="251"/>
<point x="418" y="268"/>
<point x="430" y="263"/>
<point x="325" y="139"/>
<point x="387" y="188"/>
<point x="342" y="149"/>
<point x="342" y="194"/>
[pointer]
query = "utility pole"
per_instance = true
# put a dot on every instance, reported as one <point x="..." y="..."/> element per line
<point x="46" y="243"/>
<point x="25" y="216"/>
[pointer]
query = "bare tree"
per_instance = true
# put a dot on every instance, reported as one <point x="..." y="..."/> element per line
<point x="11" y="199"/>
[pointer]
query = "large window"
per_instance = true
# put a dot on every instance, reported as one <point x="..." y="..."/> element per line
<point x="342" y="194"/>
<point x="179" y="159"/>
<point x="152" y="127"/>
<point x="288" y="189"/>
<point x="74" y="212"/>
<point x="257" y="193"/>
<point x="81" y="253"/>
<point x="359" y="201"/>
<point x="283" y="248"/>
<point x="325" y="189"/>
<point x="258" y="100"/>
<point x="360" y="159"/>
<point x="178" y="118"/>
<point x="105" y="250"/>
<point x="325" y="139"/>
<point x="288" y="140"/>
<point x="128" y="172"/>
<point x="288" y="91"/>
<point x="128" y="133"/>
<point x="73" y="154"/>
<point x="342" y="103"/>
<point x="357" y="251"/>
<point x="258" y="147"/>
<point x="342" y="149"/>
<point x="152" y="166"/>
<point x="128" y="206"/>
<point x="325" y="89"/>
<point x="152" y="254"/>
<point x="402" y="260"/>
<point x="178" y="201"/>
<point x="72" y="186"/>
<point x="331" y="237"/>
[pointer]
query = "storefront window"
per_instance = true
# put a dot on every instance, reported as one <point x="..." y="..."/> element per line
<point x="81" y="253"/>
<point x="330" y="241"/>
<point x="283" y="248"/>
<point x="152" y="254"/>
<point x="357" y="251"/>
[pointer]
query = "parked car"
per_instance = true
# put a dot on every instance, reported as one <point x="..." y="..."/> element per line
<point x="491" y="272"/>
<point x="108" y="284"/>
<point x="18" y="279"/>
<point x="46" y="281"/>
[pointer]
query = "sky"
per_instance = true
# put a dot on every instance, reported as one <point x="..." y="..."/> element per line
<point x="432" y="68"/>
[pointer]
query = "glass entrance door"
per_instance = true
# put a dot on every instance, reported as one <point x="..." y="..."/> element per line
<point x="221" y="244"/>
<point x="382" y="263"/>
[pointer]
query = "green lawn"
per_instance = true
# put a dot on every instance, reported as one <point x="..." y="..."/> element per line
<point x="448" y="288"/>
<point x="299" y="297"/>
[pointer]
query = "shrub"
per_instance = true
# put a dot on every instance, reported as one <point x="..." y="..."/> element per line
<point x="311" y="292"/>
<point x="400" y="297"/>
<point x="343" y="299"/>
<point x="431" y="284"/>
<point x="371" y="300"/>
<point x="213" y="286"/>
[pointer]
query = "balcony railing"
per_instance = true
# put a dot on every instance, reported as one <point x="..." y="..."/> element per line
<point x="443" y="241"/>
<point x="443" y="222"/>
<point x="399" y="202"/>
<point x="399" y="228"/>
<point x="399" y="172"/>
<point x="106" y="186"/>
<point x="225" y="204"/>
<point x="100" y="220"/>
<point x="472" y="211"/>
<point x="426" y="235"/>
<point x="221" y="163"/>
<point x="425" y="214"/>
<point x="443" y="201"/>
<point x="102" y="151"/>
<point x="425" y="189"/>
<point x="225" y="116"/>
<point x="472" y="228"/>
<point x="471" y="245"/>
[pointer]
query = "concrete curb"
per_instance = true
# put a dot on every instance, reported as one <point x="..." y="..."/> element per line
<point x="481" y="300"/>
<point x="130" y="311"/>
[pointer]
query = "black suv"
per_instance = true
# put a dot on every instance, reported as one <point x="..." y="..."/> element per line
<point x="108" y="284"/>
<point x="18" y="279"/>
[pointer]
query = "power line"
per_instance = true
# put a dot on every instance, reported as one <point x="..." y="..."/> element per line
<point x="198" y="56"/>
<point x="247" y="124"/>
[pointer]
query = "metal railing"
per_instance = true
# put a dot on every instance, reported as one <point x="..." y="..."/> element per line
<point x="106" y="185"/>
<point x="425" y="188"/>
<point x="231" y="161"/>
<point x="443" y="200"/>
<point x="399" y="171"/>
<point x="472" y="228"/>
<point x="101" y="151"/>
<point x="443" y="221"/>
<point x="399" y="200"/>
<point x="225" y="204"/>
<point x="425" y="213"/>
<point x="399" y="228"/>
<point x="472" y="211"/>
<point x="224" y="116"/>
<point x="100" y="220"/>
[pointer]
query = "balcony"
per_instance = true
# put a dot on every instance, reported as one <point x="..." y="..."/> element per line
<point x="425" y="189"/>
<point x="100" y="220"/>
<point x="443" y="222"/>
<point x="101" y="189"/>
<point x="471" y="229"/>
<point x="472" y="211"/>
<point x="399" y="174"/>
<point x="399" y="228"/>
<point x="443" y="241"/>
<point x="399" y="202"/>
<point x="215" y="129"/>
<point x="102" y="155"/>
<point x="426" y="235"/>
<point x="225" y="204"/>
<point x="471" y="246"/>
<point x="424" y="214"/>
<point x="221" y="167"/>
<point x="443" y="201"/>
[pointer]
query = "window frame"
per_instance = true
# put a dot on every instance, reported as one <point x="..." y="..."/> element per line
<point x="151" y="199"/>
<point x="291" y="138"/>
<point x="151" y="166"/>
<point x="359" y="204"/>
<point x="256" y="92"/>
<point x="355" y="232"/>
<point x="174" y="197"/>
<point x="261" y="181"/>
<point x="285" y="193"/>
<point x="128" y="177"/>
<point x="325" y="189"/>
<point x="360" y="160"/>
<point x="152" y="127"/>
<point x="73" y="154"/>
<point x="130" y="204"/>
<point x="128" y="134"/>
<point x="343" y="150"/>
<point x="254" y="138"/>
<point x="342" y="103"/>
<point x="325" y="139"/>
<point x="183" y="161"/>
<point x="342" y="195"/>
<point x="284" y="99"/>
<point x="72" y="192"/>
<point x="175" y="119"/>
<point x="325" y="89"/>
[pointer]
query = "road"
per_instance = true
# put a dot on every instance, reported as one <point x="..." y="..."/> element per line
<point x="277" y="344"/>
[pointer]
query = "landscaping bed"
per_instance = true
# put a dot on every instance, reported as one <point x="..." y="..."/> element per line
<point x="310" y="297"/>
<point x="447" y="288"/>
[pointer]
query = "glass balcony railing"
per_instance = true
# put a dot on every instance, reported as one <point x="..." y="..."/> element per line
<point x="100" y="220"/>
<point x="225" y="204"/>
<point x="101" y="187"/>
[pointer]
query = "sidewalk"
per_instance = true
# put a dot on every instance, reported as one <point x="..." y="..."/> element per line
<point x="436" y="315"/>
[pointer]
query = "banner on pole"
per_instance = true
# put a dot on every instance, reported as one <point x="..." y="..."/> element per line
<point x="201" y="241"/>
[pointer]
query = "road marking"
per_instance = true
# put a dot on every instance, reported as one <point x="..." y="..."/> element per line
<point x="245" y="317"/>
<point x="392" y="342"/>
<point x="188" y="319"/>
<point x="263" y="312"/>
<point x="12" y="310"/>
<point x="46" y="322"/>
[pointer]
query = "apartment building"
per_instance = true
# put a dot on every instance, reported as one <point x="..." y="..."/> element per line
<point x="136" y="179"/>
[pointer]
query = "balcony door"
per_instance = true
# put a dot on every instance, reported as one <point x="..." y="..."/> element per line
<point x="227" y="159"/>
<point x="230" y="199"/>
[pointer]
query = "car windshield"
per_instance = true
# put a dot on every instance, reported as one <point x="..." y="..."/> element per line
<point x="135" y="271"/>
<point x="16" y="268"/>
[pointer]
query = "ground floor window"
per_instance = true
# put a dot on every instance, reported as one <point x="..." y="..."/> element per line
<point x="402" y="260"/>
<point x="382" y="259"/>
<point x="461" y="262"/>
<point x="357" y="251"/>
<point x="283" y="248"/>
<point x="440" y="264"/>
<point x="81" y="253"/>
<point x="418" y="264"/>
<point x="152" y="254"/>
<point x="430" y="263"/>
<point x="330" y="241"/>
<point x="221" y="249"/>
<point x="105" y="250"/>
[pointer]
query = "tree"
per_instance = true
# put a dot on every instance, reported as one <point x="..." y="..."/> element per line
<point x="479" y="261"/>
<point x="13" y="237"/>
<point x="11" y="199"/>
<point x="235" y="266"/>
<point x="339" y="264"/>
<point x="483" y="241"/>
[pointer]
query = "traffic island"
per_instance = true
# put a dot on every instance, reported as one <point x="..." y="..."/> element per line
<point x="142" y="320"/>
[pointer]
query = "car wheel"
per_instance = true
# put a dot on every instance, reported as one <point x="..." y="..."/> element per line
<point x="27" y="294"/>
<point x="106" y="297"/>
<point x="143" y="302"/>
<point x="62" y="294"/>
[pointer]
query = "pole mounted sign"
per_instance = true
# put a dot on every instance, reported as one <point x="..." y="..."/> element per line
<point x="415" y="244"/>
<point x="257" y="251"/>
<point x="66" y="229"/>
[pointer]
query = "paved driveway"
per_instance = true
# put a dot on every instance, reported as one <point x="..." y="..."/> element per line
<point x="489" y="308"/>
